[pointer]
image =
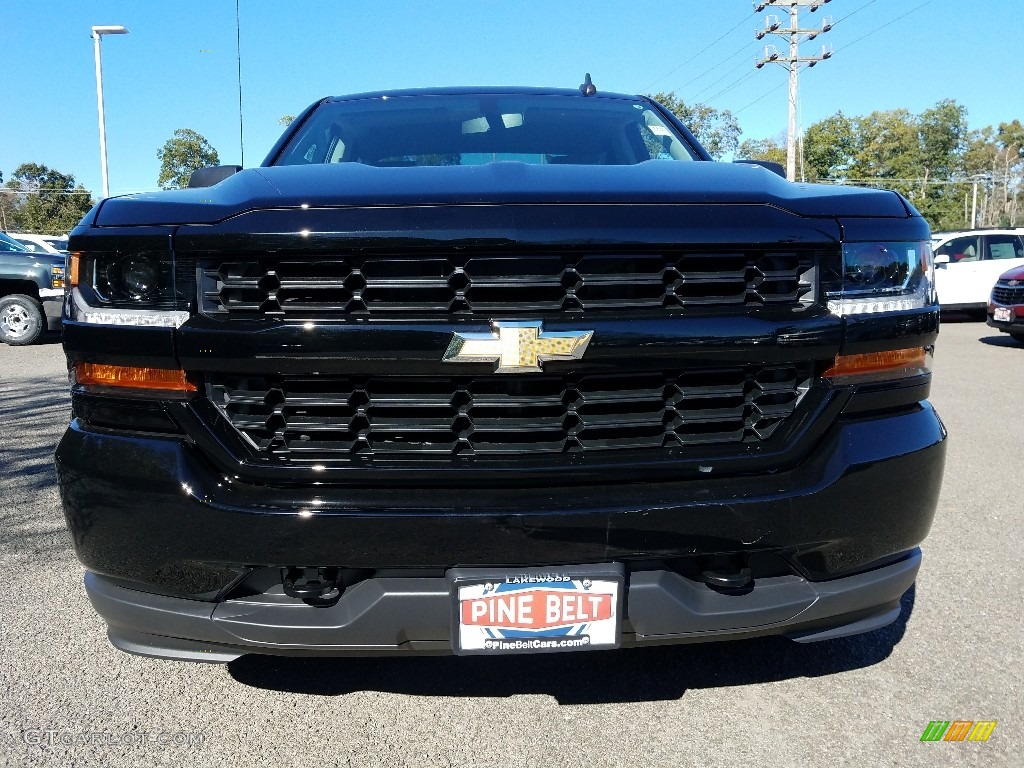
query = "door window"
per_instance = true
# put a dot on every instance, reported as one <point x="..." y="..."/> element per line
<point x="1004" y="247"/>
<point x="960" y="249"/>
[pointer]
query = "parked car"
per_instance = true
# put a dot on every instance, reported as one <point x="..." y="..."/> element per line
<point x="497" y="371"/>
<point x="967" y="264"/>
<point x="31" y="292"/>
<point x="41" y="243"/>
<point x="1006" y="305"/>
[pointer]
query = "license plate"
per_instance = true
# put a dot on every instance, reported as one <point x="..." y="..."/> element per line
<point x="536" y="610"/>
<point x="1002" y="314"/>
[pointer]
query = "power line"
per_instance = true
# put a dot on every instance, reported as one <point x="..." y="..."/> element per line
<point x="713" y="83"/>
<point x="733" y="113"/>
<point x="854" y="13"/>
<point x="773" y="90"/>
<point x="700" y="52"/>
<point x="762" y="96"/>
<point x="847" y="45"/>
<point x="10" y="191"/>
<point x="731" y="56"/>
<point x="741" y="79"/>
<point x="918" y="181"/>
<point x="707" y="72"/>
<point x="744" y="47"/>
<point x="888" y="23"/>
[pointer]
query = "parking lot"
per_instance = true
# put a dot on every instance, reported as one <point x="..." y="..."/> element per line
<point x="955" y="653"/>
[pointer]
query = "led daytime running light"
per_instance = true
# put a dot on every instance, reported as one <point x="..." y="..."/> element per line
<point x="149" y="318"/>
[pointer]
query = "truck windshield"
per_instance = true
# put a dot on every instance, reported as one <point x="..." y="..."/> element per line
<point x="10" y="244"/>
<point x="421" y="130"/>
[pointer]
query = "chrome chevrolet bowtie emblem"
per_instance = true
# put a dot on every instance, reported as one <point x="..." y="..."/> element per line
<point x="517" y="347"/>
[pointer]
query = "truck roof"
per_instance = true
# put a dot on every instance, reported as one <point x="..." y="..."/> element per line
<point x="478" y="90"/>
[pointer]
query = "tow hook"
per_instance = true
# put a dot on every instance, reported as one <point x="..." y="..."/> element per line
<point x="317" y="586"/>
<point x="727" y="580"/>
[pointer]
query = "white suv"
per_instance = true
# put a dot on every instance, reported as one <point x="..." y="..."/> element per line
<point x="968" y="263"/>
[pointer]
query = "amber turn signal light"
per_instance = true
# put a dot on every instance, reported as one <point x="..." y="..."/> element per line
<point x="897" y="362"/>
<point x="132" y="378"/>
<point x="73" y="277"/>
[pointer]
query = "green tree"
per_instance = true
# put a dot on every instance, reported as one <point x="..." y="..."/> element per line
<point x="7" y="200"/>
<point x="995" y="161"/>
<point x="829" y="146"/>
<point x="931" y="158"/>
<point x="942" y="138"/>
<point x="8" y="204"/>
<point x="182" y="154"/>
<point x="1013" y="134"/>
<point x="717" y="130"/>
<point x="917" y="156"/>
<point x="44" y="200"/>
<point x="773" y="149"/>
<point x="887" y="148"/>
<point x="942" y="131"/>
<point x="1010" y="138"/>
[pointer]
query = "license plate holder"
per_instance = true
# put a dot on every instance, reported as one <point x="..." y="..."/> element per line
<point x="1002" y="315"/>
<point x="537" y="609"/>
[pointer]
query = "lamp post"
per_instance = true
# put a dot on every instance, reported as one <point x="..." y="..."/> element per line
<point x="97" y="33"/>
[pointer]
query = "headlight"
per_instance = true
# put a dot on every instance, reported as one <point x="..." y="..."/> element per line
<point x="882" y="277"/>
<point x="128" y="280"/>
<point x="56" y="277"/>
<point x="135" y="288"/>
<point x="139" y="276"/>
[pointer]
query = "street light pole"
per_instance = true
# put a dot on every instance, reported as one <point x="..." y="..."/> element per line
<point x="97" y="33"/>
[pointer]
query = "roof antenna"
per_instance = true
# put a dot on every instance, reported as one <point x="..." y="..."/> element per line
<point x="588" y="88"/>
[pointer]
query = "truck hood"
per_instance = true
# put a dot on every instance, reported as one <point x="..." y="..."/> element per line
<point x="41" y="258"/>
<point x="502" y="183"/>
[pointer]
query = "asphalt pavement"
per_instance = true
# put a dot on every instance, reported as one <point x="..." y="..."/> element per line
<point x="956" y="653"/>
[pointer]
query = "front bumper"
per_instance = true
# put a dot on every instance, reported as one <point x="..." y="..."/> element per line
<point x="52" y="307"/>
<point x="413" y="615"/>
<point x="153" y="510"/>
<point x="1015" y="325"/>
<point x="174" y="546"/>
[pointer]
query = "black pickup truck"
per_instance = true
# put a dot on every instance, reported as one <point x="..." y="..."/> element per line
<point x="491" y="371"/>
<point x="31" y="292"/>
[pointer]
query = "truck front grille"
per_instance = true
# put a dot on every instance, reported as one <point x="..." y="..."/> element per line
<point x="1005" y="294"/>
<point x="470" y="283"/>
<point x="321" y="418"/>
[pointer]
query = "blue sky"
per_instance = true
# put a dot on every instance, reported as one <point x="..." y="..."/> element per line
<point x="178" y="69"/>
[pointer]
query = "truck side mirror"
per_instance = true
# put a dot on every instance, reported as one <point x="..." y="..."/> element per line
<point x="207" y="177"/>
<point x="941" y="259"/>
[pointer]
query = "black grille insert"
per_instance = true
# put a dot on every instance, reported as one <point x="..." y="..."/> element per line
<point x="1006" y="294"/>
<point x="466" y="283"/>
<point x="323" y="418"/>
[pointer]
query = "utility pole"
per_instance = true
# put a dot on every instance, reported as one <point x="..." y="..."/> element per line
<point x="794" y="61"/>
<point x="974" y="205"/>
<point x="97" y="35"/>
